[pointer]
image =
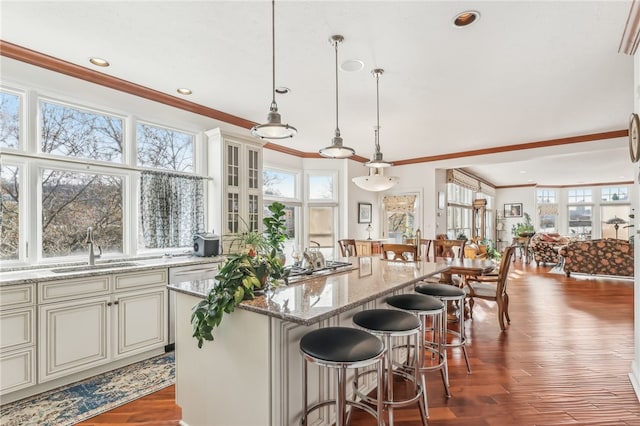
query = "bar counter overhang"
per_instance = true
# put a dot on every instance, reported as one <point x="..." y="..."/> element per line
<point x="251" y="373"/>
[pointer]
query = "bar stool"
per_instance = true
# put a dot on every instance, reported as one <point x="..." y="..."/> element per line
<point x="427" y="307"/>
<point x="449" y="293"/>
<point x="388" y="324"/>
<point x="342" y="348"/>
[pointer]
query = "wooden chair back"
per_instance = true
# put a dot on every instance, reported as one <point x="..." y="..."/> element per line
<point x="399" y="252"/>
<point x="503" y="271"/>
<point x="448" y="248"/>
<point x="425" y="246"/>
<point x="347" y="247"/>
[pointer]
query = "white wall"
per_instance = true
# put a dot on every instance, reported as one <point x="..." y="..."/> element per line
<point x="634" y="375"/>
<point x="524" y="195"/>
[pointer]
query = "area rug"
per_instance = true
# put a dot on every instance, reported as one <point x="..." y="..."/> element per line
<point x="79" y="401"/>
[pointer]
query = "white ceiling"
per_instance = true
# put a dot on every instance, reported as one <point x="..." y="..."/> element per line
<point x="527" y="71"/>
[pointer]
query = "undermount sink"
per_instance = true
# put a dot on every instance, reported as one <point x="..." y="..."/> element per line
<point x="94" y="267"/>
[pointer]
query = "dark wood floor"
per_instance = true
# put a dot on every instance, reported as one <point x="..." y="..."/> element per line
<point x="564" y="360"/>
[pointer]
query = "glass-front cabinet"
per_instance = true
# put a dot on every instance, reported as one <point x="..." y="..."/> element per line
<point x="236" y="169"/>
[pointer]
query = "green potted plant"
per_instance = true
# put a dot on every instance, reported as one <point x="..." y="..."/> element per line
<point x="243" y="273"/>
<point x="523" y="229"/>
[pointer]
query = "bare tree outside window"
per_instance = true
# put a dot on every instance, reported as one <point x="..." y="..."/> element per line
<point x="164" y="149"/>
<point x="71" y="202"/>
<point x="9" y="213"/>
<point x="9" y="120"/>
<point x="72" y="132"/>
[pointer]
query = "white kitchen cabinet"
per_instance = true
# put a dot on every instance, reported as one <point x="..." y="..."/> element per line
<point x="141" y="320"/>
<point x="74" y="336"/>
<point x="125" y="315"/>
<point x="17" y="338"/>
<point x="236" y="168"/>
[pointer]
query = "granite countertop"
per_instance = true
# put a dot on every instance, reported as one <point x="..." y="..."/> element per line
<point x="48" y="272"/>
<point x="309" y="301"/>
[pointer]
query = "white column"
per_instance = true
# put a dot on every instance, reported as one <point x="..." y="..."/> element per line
<point x="634" y="375"/>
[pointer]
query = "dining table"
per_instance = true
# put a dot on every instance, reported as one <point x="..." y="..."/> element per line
<point x="465" y="267"/>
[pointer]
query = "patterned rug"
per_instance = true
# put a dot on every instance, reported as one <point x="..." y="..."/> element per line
<point x="79" y="401"/>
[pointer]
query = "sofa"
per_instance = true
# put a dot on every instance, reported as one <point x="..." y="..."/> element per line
<point x="544" y="247"/>
<point x="598" y="257"/>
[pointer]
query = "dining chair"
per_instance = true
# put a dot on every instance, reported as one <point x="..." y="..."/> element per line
<point x="405" y="252"/>
<point x="448" y="248"/>
<point x="425" y="246"/>
<point x="347" y="247"/>
<point x="492" y="287"/>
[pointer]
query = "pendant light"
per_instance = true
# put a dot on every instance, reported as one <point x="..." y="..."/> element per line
<point x="336" y="149"/>
<point x="273" y="128"/>
<point x="376" y="180"/>
<point x="377" y="160"/>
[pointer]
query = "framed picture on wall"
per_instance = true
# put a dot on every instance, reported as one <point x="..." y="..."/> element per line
<point x="364" y="212"/>
<point x="513" y="210"/>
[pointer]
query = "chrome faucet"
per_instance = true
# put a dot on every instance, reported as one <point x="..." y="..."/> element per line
<point x="92" y="255"/>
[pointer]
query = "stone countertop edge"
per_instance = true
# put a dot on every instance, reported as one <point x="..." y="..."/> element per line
<point x="200" y="289"/>
<point x="35" y="275"/>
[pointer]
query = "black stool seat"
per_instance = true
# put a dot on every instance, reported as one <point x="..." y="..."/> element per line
<point x="415" y="302"/>
<point x="386" y="320"/>
<point x="440" y="290"/>
<point x="341" y="344"/>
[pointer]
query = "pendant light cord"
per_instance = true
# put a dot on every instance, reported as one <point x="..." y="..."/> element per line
<point x="377" y="139"/>
<point x="335" y="43"/>
<point x="273" y="53"/>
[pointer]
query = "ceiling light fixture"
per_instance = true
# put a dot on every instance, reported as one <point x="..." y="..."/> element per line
<point x="376" y="160"/>
<point x="376" y="181"/>
<point x="337" y="150"/>
<point x="99" y="62"/>
<point x="273" y="128"/>
<point x="184" y="91"/>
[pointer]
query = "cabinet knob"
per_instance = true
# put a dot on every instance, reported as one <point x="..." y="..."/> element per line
<point x="109" y="303"/>
<point x="116" y="302"/>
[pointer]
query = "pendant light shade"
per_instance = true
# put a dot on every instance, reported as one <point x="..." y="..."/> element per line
<point x="376" y="181"/>
<point x="377" y="161"/>
<point x="273" y="128"/>
<point x="337" y="149"/>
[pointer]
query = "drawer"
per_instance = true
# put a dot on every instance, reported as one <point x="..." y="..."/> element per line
<point x="51" y="291"/>
<point x="17" y="329"/>
<point x="134" y="280"/>
<point x="17" y="296"/>
<point x="18" y="370"/>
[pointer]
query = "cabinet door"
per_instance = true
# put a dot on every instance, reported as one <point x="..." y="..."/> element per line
<point x="141" y="321"/>
<point x="73" y="336"/>
<point x="18" y="370"/>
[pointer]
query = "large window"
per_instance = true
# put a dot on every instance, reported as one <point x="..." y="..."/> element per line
<point x="615" y="221"/>
<point x="72" y="202"/>
<point x="84" y="171"/>
<point x="615" y="194"/>
<point x="400" y="212"/>
<point x="283" y="185"/>
<point x="459" y="211"/>
<point x="547" y="200"/>
<point x="322" y="208"/>
<point x="579" y="196"/>
<point x="580" y="221"/>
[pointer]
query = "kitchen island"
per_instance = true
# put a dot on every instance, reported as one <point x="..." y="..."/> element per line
<point x="251" y="373"/>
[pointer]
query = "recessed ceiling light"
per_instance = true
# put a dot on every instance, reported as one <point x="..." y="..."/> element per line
<point x="99" y="62"/>
<point x="523" y="171"/>
<point x="283" y="90"/>
<point x="184" y="91"/>
<point x="352" y="65"/>
<point x="466" y="18"/>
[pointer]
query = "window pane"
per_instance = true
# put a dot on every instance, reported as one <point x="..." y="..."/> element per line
<point x="320" y="187"/>
<point x="291" y="244"/>
<point x="579" y="196"/>
<point x="615" y="194"/>
<point x="546" y="196"/>
<point x="9" y="213"/>
<point x="9" y="120"/>
<point x="321" y="226"/>
<point x="164" y="149"/>
<point x="278" y="184"/>
<point x="72" y="202"/>
<point x="72" y="132"/>
<point x="612" y="216"/>
<point x="580" y="221"/>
